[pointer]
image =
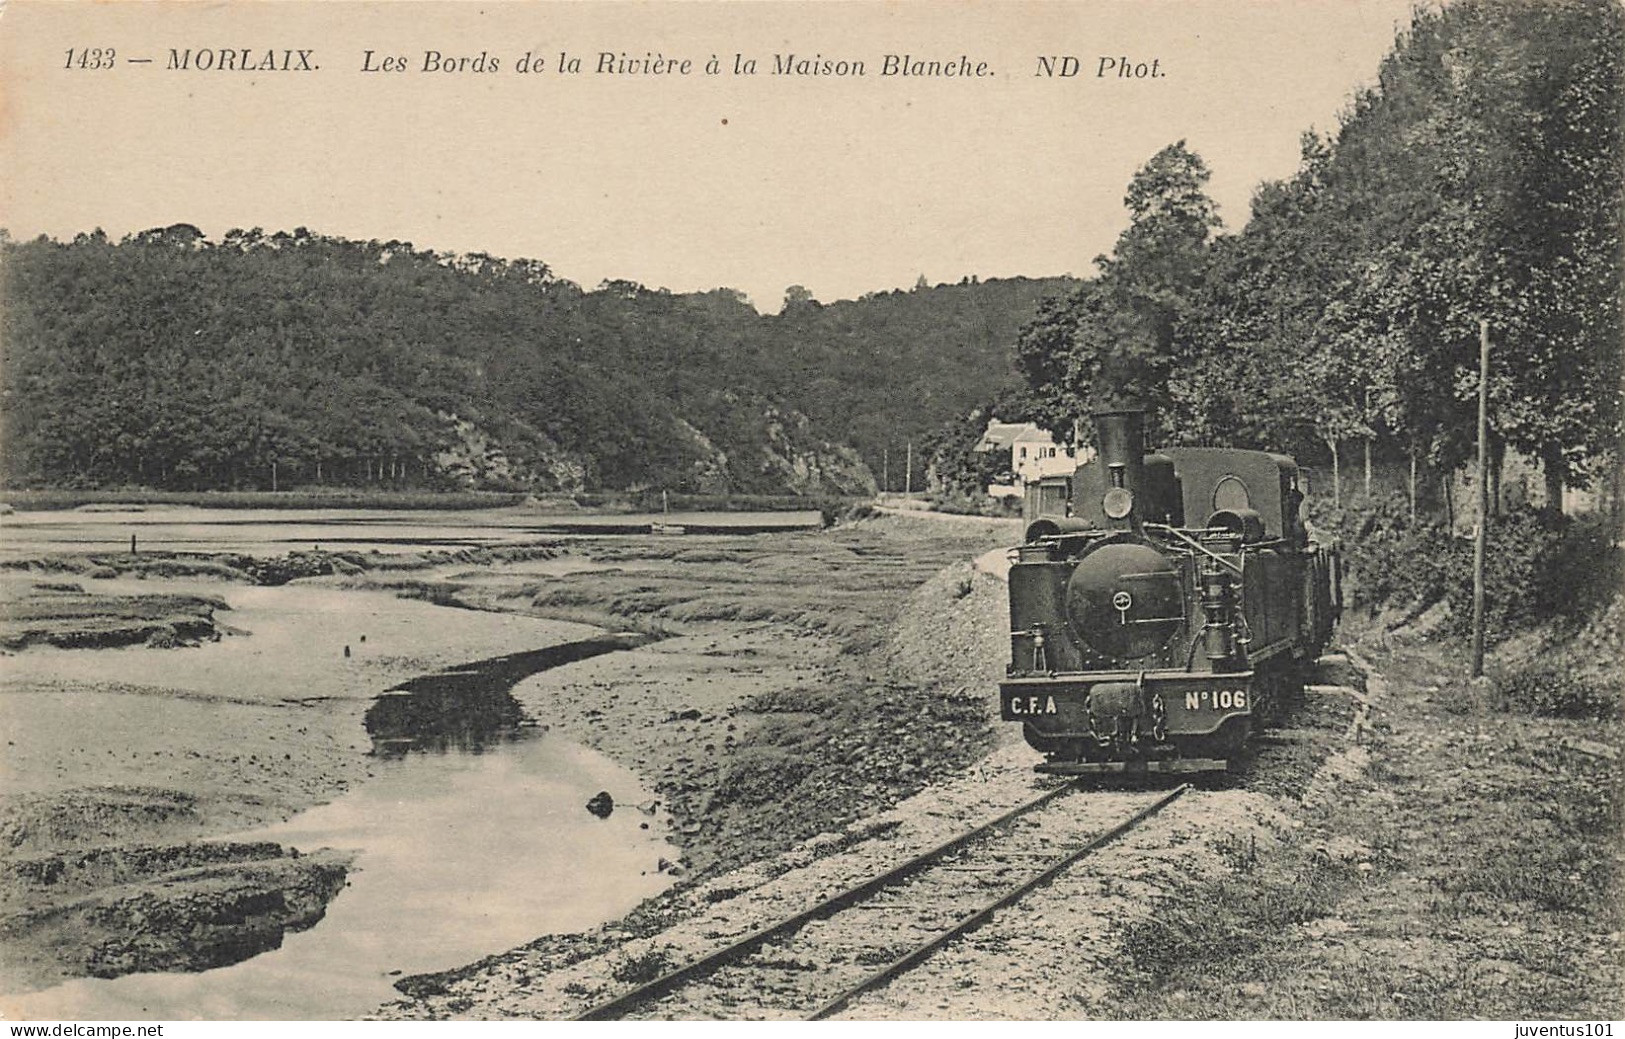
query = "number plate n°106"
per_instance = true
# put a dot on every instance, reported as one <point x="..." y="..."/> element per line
<point x="1216" y="699"/>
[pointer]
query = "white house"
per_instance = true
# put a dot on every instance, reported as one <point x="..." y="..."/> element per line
<point x="1033" y="455"/>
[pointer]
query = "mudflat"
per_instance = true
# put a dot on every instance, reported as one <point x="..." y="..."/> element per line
<point x="120" y="763"/>
<point x="753" y="691"/>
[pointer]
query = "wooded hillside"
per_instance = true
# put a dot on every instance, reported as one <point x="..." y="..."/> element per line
<point x="172" y="361"/>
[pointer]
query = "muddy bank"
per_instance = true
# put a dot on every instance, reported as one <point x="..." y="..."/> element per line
<point x="268" y="570"/>
<point x="784" y="699"/>
<point x="771" y="706"/>
<point x="456" y="855"/>
<point x="64" y="615"/>
<point x="470" y="707"/>
<point x="117" y="910"/>
<point x="223" y="566"/>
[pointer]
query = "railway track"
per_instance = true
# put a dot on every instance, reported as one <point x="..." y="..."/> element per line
<point x="812" y="964"/>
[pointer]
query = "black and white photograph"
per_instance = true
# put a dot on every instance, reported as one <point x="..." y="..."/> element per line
<point x="777" y="510"/>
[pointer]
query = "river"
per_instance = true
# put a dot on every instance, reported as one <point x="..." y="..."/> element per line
<point x="459" y="855"/>
<point x="276" y="531"/>
<point x="466" y="843"/>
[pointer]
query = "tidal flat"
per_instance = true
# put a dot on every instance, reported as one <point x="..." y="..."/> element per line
<point x="755" y="701"/>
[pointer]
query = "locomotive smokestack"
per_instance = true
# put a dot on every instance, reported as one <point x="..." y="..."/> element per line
<point x="1121" y="433"/>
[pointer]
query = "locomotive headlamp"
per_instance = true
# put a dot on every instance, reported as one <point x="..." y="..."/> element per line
<point x="1118" y="503"/>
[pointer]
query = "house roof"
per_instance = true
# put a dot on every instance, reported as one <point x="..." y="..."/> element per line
<point x="1004" y="434"/>
<point x="1001" y="434"/>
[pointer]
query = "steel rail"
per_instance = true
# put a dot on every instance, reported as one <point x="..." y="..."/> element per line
<point x="919" y="954"/>
<point x="670" y="981"/>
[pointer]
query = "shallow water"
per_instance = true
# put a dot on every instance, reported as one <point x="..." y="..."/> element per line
<point x="275" y="531"/>
<point x="472" y="706"/>
<point x="459" y="856"/>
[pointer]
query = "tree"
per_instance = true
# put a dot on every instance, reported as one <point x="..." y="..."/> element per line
<point x="797" y="297"/>
<point x="1478" y="179"/>
<point x="166" y="360"/>
<point x="1113" y="340"/>
<point x="1491" y="154"/>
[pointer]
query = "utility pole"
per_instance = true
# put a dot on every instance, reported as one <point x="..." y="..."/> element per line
<point x="908" y="474"/>
<point x="885" y="467"/>
<point x="1413" y="482"/>
<point x="1483" y="495"/>
<point x="1370" y="433"/>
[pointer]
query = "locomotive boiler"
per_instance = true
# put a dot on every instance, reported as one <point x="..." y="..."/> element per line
<point x="1168" y="610"/>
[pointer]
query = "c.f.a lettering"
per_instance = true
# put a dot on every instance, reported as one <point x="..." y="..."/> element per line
<point x="241" y="59"/>
<point x="1029" y="705"/>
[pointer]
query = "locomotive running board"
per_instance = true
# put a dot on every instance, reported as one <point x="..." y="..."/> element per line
<point x="1095" y="768"/>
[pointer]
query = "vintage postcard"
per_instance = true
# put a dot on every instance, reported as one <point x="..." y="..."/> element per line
<point x="777" y="510"/>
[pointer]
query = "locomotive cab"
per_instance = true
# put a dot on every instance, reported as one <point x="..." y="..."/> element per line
<point x="1142" y="641"/>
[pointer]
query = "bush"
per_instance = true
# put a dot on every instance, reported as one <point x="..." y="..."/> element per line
<point x="1575" y="676"/>
<point x="1556" y="691"/>
<point x="977" y="504"/>
<point x="644" y="968"/>
<point x="1537" y="568"/>
<point x="859" y="511"/>
<point x="1389" y="560"/>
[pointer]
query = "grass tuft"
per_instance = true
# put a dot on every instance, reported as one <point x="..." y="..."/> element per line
<point x="1234" y="916"/>
<point x="642" y="968"/>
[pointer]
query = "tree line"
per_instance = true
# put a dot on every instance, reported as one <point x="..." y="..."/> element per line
<point x="265" y="360"/>
<point x="1478" y="179"/>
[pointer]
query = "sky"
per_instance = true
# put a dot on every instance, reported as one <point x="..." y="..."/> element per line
<point x="683" y="180"/>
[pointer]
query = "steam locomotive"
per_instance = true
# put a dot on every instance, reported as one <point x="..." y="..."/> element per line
<point x="1143" y="641"/>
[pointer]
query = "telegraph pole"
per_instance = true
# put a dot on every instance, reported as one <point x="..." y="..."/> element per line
<point x="1483" y="495"/>
<point x="908" y="474"/>
<point x="1370" y="435"/>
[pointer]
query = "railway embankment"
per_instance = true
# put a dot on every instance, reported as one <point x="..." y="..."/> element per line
<point x="1457" y="856"/>
<point x="1405" y="846"/>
